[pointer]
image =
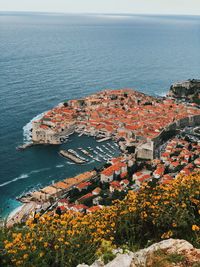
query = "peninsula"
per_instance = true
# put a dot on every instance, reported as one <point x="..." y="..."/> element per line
<point x="158" y="139"/>
<point x="138" y="120"/>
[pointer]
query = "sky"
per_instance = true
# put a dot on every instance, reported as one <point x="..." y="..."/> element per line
<point x="190" y="7"/>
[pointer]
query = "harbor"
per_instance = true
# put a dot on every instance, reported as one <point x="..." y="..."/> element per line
<point x="105" y="152"/>
<point x="49" y="166"/>
<point x="64" y="126"/>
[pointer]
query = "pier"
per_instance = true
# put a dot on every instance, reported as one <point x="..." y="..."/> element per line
<point x="103" y="139"/>
<point x="24" y="146"/>
<point x="71" y="156"/>
<point x="85" y="152"/>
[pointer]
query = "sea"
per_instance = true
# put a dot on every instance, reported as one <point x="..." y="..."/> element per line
<point x="48" y="58"/>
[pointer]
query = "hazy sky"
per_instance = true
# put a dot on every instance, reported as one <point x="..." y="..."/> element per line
<point x="104" y="6"/>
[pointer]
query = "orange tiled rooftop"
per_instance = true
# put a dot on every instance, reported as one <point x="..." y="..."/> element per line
<point x="123" y="109"/>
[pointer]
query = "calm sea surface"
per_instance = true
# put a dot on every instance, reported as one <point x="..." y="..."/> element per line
<point x="47" y="58"/>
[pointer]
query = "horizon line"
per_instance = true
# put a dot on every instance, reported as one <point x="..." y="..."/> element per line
<point x="97" y="13"/>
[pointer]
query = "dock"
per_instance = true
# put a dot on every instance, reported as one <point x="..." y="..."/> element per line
<point x="71" y="156"/>
<point x="85" y="152"/>
<point x="103" y="139"/>
<point x="24" y="146"/>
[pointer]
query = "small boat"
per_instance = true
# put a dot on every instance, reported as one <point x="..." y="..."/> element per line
<point x="77" y="155"/>
<point x="101" y="156"/>
<point x="112" y="147"/>
<point x="99" y="149"/>
<point x="97" y="159"/>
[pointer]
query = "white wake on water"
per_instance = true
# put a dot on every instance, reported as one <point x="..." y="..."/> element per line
<point x="27" y="128"/>
<point x="60" y="166"/>
<point x="23" y="176"/>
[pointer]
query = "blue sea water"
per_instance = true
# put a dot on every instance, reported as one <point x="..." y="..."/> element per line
<point x="47" y="58"/>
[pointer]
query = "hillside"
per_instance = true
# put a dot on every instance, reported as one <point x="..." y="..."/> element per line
<point x="155" y="212"/>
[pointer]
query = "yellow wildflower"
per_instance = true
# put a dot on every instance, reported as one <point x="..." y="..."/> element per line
<point x="195" y="227"/>
<point x="25" y="256"/>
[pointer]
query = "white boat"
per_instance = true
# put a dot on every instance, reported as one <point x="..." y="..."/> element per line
<point x="97" y="159"/>
<point x="107" y="149"/>
<point x="77" y="155"/>
<point x="112" y="147"/>
<point x="99" y="149"/>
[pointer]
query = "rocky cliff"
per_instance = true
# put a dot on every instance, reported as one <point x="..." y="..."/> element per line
<point x="189" y="89"/>
<point x="167" y="253"/>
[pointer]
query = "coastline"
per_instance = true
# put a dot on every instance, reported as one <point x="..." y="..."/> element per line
<point x="138" y="141"/>
<point x="14" y="212"/>
<point x="17" y="215"/>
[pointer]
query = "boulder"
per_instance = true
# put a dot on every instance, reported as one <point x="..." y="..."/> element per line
<point x="161" y="252"/>
<point x="123" y="260"/>
<point x="167" y="253"/>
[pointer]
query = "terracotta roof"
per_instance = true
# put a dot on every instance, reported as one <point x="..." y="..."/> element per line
<point x="61" y="185"/>
<point x="96" y="191"/>
<point x="89" y="195"/>
<point x="124" y="174"/>
<point x="83" y="185"/>
<point x="115" y="184"/>
<point x="125" y="181"/>
<point x="144" y="178"/>
<point x="93" y="209"/>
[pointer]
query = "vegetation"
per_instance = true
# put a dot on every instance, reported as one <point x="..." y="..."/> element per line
<point x="155" y="212"/>
<point x="163" y="259"/>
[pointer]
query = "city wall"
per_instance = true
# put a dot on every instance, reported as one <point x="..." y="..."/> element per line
<point x="147" y="150"/>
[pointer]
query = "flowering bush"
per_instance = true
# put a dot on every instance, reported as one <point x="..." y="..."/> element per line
<point x="153" y="213"/>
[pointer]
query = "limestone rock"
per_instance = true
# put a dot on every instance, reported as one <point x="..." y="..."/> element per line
<point x="97" y="263"/>
<point x="123" y="260"/>
<point x="161" y="252"/>
<point x="167" y="253"/>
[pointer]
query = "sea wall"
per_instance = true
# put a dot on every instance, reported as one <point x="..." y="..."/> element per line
<point x="173" y="127"/>
<point x="148" y="150"/>
<point x="49" y="136"/>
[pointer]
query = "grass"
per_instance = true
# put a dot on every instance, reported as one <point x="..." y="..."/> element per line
<point x="175" y="258"/>
<point x="162" y="259"/>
